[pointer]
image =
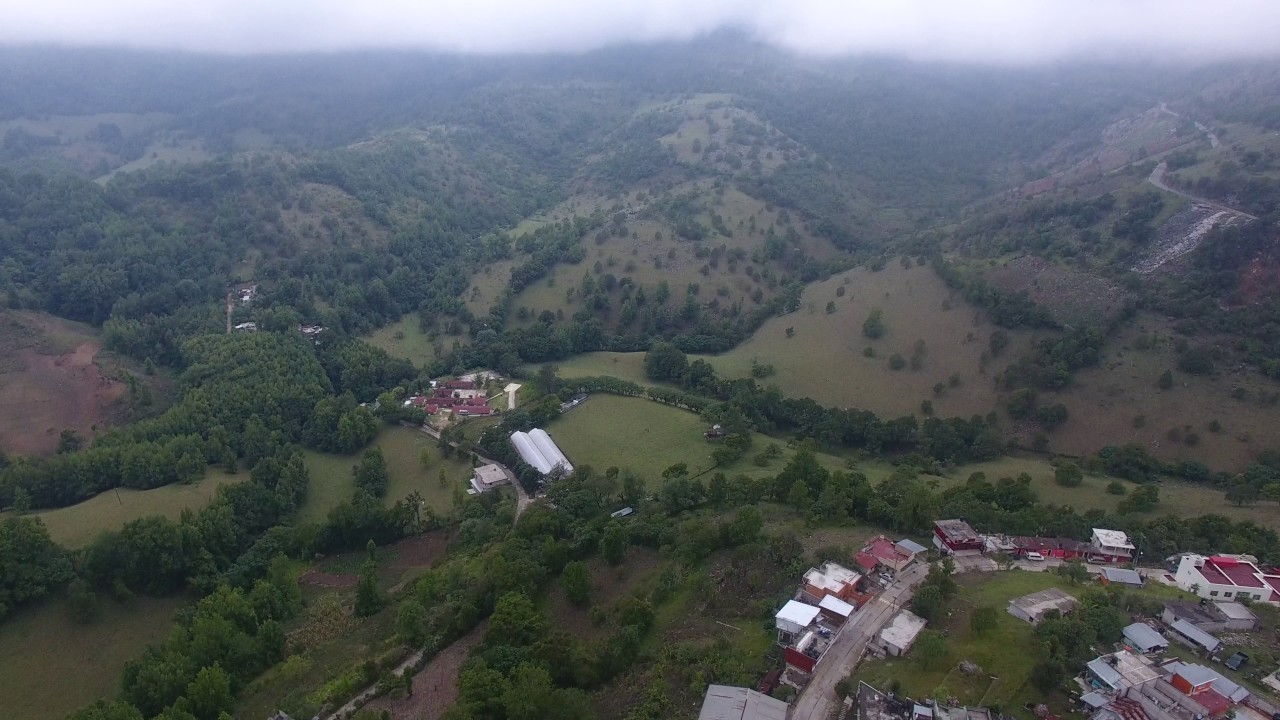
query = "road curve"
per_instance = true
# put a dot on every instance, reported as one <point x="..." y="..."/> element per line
<point x="1157" y="178"/>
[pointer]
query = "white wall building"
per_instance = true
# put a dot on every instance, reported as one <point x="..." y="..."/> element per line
<point x="1227" y="577"/>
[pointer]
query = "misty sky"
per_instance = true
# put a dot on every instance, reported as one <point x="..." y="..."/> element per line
<point x="971" y="30"/>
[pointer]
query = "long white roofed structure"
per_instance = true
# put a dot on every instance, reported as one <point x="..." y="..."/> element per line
<point x="538" y="450"/>
<point x="550" y="450"/>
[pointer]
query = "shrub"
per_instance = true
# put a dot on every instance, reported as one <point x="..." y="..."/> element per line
<point x="1115" y="487"/>
<point x="874" y="327"/>
<point x="897" y="362"/>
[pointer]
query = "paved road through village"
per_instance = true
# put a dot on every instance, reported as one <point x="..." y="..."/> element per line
<point x="818" y="701"/>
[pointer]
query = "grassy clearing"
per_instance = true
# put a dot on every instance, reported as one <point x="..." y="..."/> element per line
<point x="647" y="437"/>
<point x="405" y="338"/>
<point x="50" y="665"/>
<point x="1106" y="402"/>
<point x="174" y="151"/>
<point x="332" y="483"/>
<point x="77" y="526"/>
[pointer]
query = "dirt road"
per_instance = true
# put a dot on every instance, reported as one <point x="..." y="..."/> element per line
<point x="818" y="700"/>
<point x="1157" y="178"/>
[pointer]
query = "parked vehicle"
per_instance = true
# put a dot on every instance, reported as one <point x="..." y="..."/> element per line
<point x="1034" y="556"/>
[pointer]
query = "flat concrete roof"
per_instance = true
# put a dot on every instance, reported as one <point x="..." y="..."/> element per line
<point x="903" y="629"/>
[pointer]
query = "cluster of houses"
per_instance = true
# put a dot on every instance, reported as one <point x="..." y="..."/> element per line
<point x="956" y="537"/>
<point x="463" y="398"/>
<point x="1135" y="683"/>
<point x="828" y="596"/>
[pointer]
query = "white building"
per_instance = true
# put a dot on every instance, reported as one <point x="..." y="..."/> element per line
<point x="538" y="450"/>
<point x="793" y="618"/>
<point x="1112" y="545"/>
<point x="901" y="633"/>
<point x="488" y="477"/>
<point x="1227" y="577"/>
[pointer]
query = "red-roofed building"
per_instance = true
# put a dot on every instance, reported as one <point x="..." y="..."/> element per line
<point x="473" y="410"/>
<point x="887" y="553"/>
<point x="460" y="384"/>
<point x="865" y="561"/>
<point x="1227" y="577"/>
<point x="432" y="409"/>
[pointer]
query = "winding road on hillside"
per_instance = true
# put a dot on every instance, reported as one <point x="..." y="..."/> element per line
<point x="818" y="700"/>
<point x="1157" y="178"/>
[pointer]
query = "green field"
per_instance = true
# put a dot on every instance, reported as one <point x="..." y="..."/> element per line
<point x="647" y="437"/>
<point x="1104" y="402"/>
<point x="332" y="483"/>
<point x="76" y="526"/>
<point x="50" y="665"/>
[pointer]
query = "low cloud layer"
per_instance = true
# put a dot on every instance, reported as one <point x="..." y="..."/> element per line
<point x="1015" y="31"/>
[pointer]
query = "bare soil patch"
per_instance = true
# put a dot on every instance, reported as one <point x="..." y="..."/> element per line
<point x="49" y="383"/>
<point x="316" y="578"/>
<point x="435" y="687"/>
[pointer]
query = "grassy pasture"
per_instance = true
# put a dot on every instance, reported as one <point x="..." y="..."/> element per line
<point x="173" y="151"/>
<point x="51" y="665"/>
<point x="647" y="437"/>
<point x="333" y="484"/>
<point x="824" y="359"/>
<point x="77" y="526"/>
<point x="1104" y="403"/>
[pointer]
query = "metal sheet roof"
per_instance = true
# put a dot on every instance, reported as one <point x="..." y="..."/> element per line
<point x="1195" y="634"/>
<point x="1122" y="575"/>
<point x="836" y="605"/>
<point x="912" y="546"/>
<point x="1106" y="673"/>
<point x="724" y="702"/>
<point x="1144" y="637"/>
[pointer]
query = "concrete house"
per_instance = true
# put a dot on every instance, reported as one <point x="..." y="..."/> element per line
<point x="1227" y="577"/>
<point x="1145" y="639"/>
<point x="488" y="477"/>
<point x="955" y="536"/>
<point x="901" y="633"/>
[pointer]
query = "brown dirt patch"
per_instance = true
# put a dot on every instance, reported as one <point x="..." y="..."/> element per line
<point x="316" y="578"/>
<point x="435" y="687"/>
<point x="49" y="383"/>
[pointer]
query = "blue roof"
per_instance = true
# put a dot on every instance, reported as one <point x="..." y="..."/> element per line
<point x="1195" y="634"/>
<point x="1122" y="575"/>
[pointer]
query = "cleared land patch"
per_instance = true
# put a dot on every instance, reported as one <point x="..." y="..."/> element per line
<point x="77" y="526"/>
<point x="50" y="383"/>
<point x="405" y="338"/>
<point x="333" y="484"/>
<point x="51" y="665"/>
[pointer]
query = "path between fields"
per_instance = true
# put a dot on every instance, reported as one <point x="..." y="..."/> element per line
<point x="523" y="501"/>
<point x="818" y="699"/>
<point x="435" y="686"/>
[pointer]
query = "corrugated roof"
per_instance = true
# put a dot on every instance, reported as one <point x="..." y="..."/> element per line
<point x="912" y="546"/>
<point x="1106" y="673"/>
<point x="1195" y="634"/>
<point x="1236" y="611"/>
<point x="1094" y="699"/>
<point x="1122" y="575"/>
<point x="1144" y="637"/>
<point x="724" y="702"/>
